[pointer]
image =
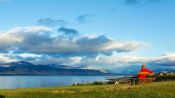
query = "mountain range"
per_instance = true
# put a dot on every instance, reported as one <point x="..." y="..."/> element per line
<point x="27" y="68"/>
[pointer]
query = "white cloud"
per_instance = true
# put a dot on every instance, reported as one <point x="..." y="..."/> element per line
<point x="4" y="58"/>
<point x="16" y="36"/>
<point x="166" y="58"/>
<point x="41" y="40"/>
<point x="128" y="60"/>
<point x="26" y="55"/>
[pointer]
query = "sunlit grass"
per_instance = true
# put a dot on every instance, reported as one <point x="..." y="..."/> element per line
<point x="151" y="90"/>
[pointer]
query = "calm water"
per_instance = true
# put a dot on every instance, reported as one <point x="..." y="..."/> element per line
<point x="11" y="82"/>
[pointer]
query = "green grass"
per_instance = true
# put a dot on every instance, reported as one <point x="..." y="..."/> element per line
<point x="151" y="90"/>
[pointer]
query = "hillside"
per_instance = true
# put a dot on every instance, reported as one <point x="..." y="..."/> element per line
<point x="27" y="68"/>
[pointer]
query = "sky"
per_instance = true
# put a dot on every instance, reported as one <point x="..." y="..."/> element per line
<point x="103" y="34"/>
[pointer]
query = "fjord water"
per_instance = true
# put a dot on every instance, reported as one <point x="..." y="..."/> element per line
<point x="12" y="82"/>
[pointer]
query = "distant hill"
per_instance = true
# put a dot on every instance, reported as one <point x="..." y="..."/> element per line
<point x="136" y="68"/>
<point x="27" y="68"/>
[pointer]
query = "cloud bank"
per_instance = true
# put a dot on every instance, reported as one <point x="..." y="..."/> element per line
<point x="41" y="40"/>
<point x="43" y="45"/>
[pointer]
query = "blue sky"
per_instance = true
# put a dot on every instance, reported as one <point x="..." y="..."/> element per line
<point x="149" y="23"/>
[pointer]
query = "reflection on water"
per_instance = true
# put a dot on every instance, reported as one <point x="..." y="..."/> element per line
<point x="11" y="82"/>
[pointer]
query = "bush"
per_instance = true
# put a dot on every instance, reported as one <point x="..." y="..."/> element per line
<point x="98" y="83"/>
<point x="93" y="83"/>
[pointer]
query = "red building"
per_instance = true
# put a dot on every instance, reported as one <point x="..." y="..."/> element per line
<point x="144" y="72"/>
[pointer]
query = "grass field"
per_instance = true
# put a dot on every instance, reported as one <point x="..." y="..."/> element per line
<point x="151" y="90"/>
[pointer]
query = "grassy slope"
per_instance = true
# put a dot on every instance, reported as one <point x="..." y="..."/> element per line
<point x="152" y="90"/>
